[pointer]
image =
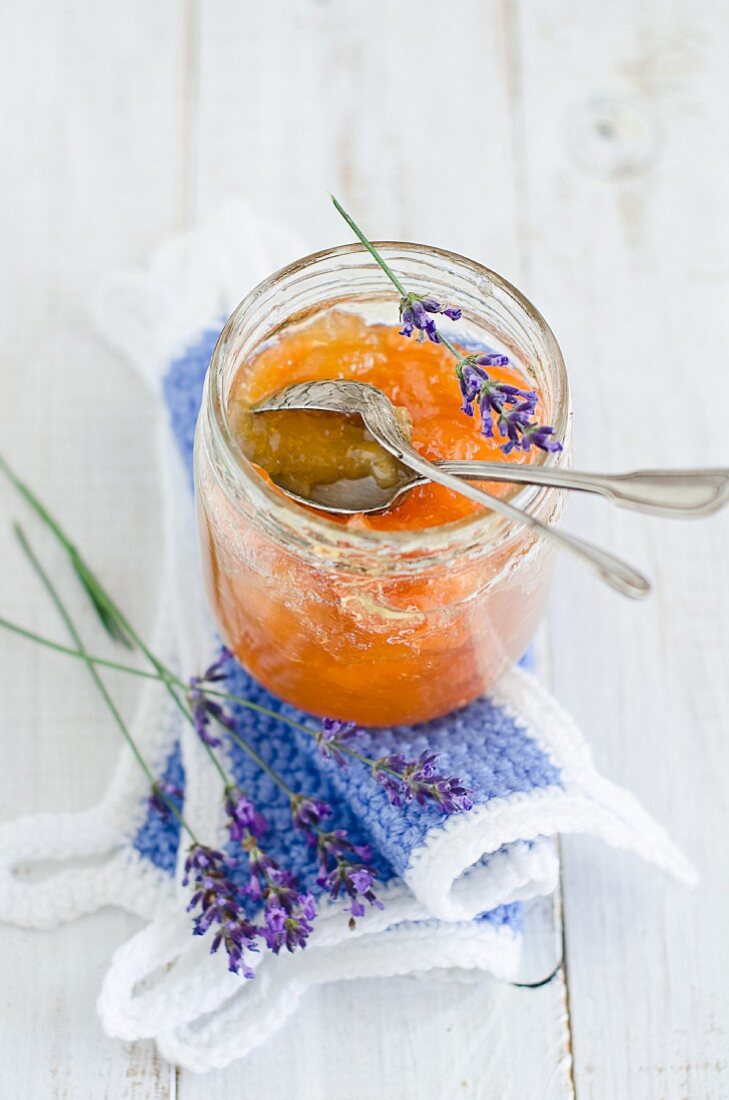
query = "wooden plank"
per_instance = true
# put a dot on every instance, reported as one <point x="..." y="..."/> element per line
<point x="90" y="177"/>
<point x="623" y="111"/>
<point x="307" y="96"/>
<point x="296" y="99"/>
<point x="404" y="1038"/>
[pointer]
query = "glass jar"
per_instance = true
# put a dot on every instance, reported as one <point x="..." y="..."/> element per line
<point x="380" y="627"/>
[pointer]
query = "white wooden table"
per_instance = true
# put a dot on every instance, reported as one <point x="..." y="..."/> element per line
<point x="589" y="162"/>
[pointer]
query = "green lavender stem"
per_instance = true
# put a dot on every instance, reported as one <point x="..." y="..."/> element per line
<point x="243" y="744"/>
<point x="91" y="666"/>
<point x="101" y="598"/>
<point x="389" y="272"/>
<point x="91" y="663"/>
<point x="111" y="616"/>
<point x="143" y="674"/>
<point x="116" y="666"/>
<point x="370" y="247"/>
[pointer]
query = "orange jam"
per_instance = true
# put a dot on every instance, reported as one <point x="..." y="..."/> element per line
<point x="349" y="637"/>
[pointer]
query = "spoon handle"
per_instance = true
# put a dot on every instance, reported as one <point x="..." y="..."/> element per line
<point x="657" y="492"/>
<point x="617" y="573"/>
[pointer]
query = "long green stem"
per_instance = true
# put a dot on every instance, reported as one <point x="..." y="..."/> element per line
<point x="68" y="651"/>
<point x="112" y="617"/>
<point x="243" y="744"/>
<point x="370" y="247"/>
<point x="101" y="686"/>
<point x="164" y="674"/>
<point x="116" y="666"/>
<point x="98" y="594"/>
<point x="388" y="270"/>
<point x="84" y="574"/>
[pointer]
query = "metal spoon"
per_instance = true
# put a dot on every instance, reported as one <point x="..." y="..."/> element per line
<point x="682" y="494"/>
<point x="380" y="418"/>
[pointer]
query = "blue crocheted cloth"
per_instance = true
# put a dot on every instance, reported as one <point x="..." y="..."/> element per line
<point x="482" y="744"/>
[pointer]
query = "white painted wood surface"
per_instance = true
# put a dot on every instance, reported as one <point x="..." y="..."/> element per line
<point x="589" y="162"/>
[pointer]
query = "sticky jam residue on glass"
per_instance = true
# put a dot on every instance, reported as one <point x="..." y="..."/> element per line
<point x="299" y="449"/>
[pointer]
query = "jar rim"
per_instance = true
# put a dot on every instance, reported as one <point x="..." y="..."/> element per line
<point x="481" y="529"/>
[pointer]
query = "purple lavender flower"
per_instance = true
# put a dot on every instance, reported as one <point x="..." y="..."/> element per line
<point x="495" y="395"/>
<point x="288" y="916"/>
<point x="308" y="813"/>
<point x="243" y="818"/>
<point x="353" y="879"/>
<point x="539" y="435"/>
<point x="287" y="913"/>
<point x="335" y="844"/>
<point x="416" y="313"/>
<point x="214" y="673"/>
<point x="344" y="868"/>
<point x="362" y="880"/>
<point x="492" y="397"/>
<point x="332" y="739"/>
<point x="514" y="424"/>
<point x="407" y="780"/>
<point x="203" y="708"/>
<point x="521" y="432"/>
<point x="470" y="379"/>
<point x="162" y="794"/>
<point x="198" y="705"/>
<point x="492" y="359"/>
<point x="219" y="902"/>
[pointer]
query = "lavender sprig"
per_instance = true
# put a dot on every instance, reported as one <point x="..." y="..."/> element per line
<point x="332" y="738"/>
<point x="243" y="817"/>
<point x="418" y="780"/>
<point x="416" y="313"/>
<point x="288" y="914"/>
<point x="202" y="708"/>
<point x="344" y="867"/>
<point x="218" y="902"/>
<point x="477" y="387"/>
<point x="402" y="780"/>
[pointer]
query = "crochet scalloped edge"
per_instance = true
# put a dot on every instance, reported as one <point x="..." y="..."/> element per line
<point x="242" y="1025"/>
<point x="584" y="802"/>
<point x="191" y="985"/>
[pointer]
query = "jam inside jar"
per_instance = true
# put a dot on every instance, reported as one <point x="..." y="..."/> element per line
<point x="407" y="614"/>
